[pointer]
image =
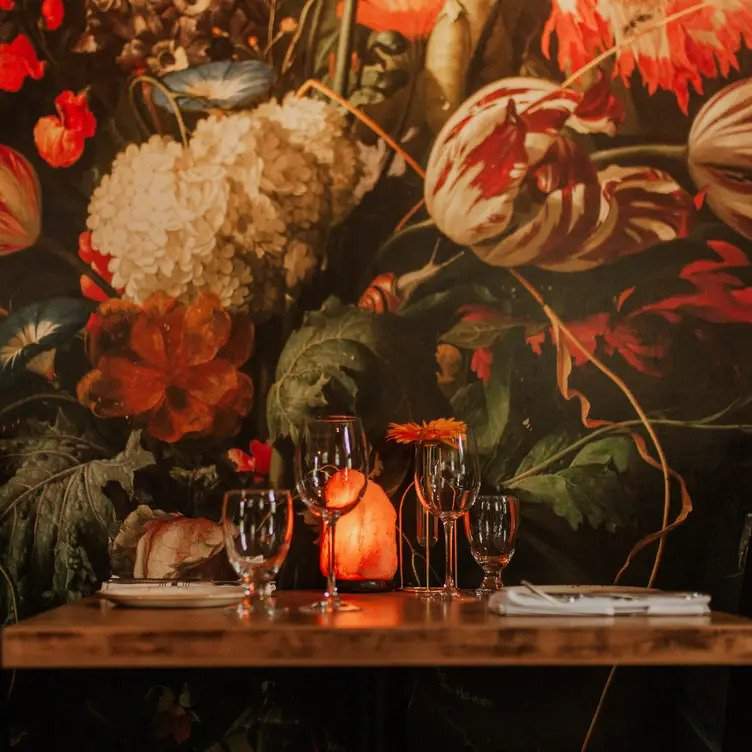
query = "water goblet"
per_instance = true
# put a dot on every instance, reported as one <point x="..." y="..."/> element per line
<point x="331" y="469"/>
<point x="447" y="479"/>
<point x="491" y="527"/>
<point x="257" y="526"/>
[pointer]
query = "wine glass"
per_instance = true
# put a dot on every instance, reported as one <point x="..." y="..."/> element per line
<point x="257" y="526"/>
<point x="331" y="469"/>
<point x="447" y="479"/>
<point x="491" y="527"/>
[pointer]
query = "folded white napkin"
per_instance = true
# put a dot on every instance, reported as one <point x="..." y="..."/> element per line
<point x="520" y="601"/>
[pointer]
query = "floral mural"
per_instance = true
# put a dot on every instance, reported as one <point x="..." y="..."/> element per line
<point x="219" y="217"/>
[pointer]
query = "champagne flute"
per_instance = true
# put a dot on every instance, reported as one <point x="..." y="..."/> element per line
<point x="447" y="479"/>
<point x="257" y="526"/>
<point x="491" y="527"/>
<point x="331" y="469"/>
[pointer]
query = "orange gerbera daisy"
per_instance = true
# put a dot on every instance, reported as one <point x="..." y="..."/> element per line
<point x="671" y="55"/>
<point x="441" y="429"/>
<point x="172" y="367"/>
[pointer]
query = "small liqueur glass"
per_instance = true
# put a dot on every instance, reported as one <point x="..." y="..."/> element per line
<point x="257" y="526"/>
<point x="491" y="527"/>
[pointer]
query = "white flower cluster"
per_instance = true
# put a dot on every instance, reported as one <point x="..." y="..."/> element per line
<point x="242" y="212"/>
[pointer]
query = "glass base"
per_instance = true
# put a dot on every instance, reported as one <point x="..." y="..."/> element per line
<point x="421" y="591"/>
<point x="260" y="607"/>
<point x="328" y="606"/>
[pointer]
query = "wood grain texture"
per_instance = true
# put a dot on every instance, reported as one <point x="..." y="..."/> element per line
<point x="393" y="629"/>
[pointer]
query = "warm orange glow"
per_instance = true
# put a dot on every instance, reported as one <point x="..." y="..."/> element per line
<point x="366" y="539"/>
<point x="343" y="488"/>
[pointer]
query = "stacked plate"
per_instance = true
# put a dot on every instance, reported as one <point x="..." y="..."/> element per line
<point x="170" y="593"/>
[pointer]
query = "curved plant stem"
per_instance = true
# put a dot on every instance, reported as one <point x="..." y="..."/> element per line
<point x="289" y="58"/>
<point x="39" y="397"/>
<point x="365" y="119"/>
<point x="52" y="247"/>
<point x="559" y="326"/>
<point x="410" y="214"/>
<point x="639" y="151"/>
<point x="169" y="96"/>
<point x="344" y="47"/>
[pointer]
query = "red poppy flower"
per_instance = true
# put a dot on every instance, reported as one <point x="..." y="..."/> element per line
<point x="99" y="262"/>
<point x="669" y="55"/>
<point x="52" y="13"/>
<point x="411" y="18"/>
<point x="257" y="462"/>
<point x="718" y="297"/>
<point x="60" y="138"/>
<point x="7" y="4"/>
<point x="18" y="59"/>
<point x="172" y="367"/>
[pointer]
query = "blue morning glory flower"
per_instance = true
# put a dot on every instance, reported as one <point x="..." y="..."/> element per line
<point x="221" y="85"/>
<point x="36" y="329"/>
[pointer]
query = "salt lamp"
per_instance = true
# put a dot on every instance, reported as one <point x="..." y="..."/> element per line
<point x="365" y="545"/>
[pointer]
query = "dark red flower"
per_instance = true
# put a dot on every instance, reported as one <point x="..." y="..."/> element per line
<point x="60" y="138"/>
<point x="7" y="4"/>
<point x="18" y="60"/>
<point x="52" y="13"/>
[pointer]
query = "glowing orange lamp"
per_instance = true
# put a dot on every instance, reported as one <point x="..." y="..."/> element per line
<point x="365" y="547"/>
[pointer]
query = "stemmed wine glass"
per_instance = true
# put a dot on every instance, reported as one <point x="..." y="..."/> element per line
<point x="447" y="479"/>
<point x="257" y="526"/>
<point x="331" y="470"/>
<point x="491" y="527"/>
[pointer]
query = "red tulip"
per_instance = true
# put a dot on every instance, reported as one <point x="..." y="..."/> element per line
<point x="20" y="202"/>
<point x="60" y="138"/>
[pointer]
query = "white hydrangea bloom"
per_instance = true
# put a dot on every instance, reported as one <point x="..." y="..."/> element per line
<point x="240" y="212"/>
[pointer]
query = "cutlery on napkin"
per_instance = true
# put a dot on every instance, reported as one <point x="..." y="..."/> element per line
<point x="531" y="601"/>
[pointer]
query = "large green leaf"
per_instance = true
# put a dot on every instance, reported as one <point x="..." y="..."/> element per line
<point x="591" y="488"/>
<point x="485" y="406"/>
<point x="56" y="520"/>
<point x="345" y="358"/>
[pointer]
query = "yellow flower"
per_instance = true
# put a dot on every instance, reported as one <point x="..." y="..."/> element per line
<point x="441" y="429"/>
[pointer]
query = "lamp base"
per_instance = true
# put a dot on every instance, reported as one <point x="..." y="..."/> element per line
<point x="365" y="586"/>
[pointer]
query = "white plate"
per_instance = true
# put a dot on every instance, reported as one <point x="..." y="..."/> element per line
<point x="173" y="597"/>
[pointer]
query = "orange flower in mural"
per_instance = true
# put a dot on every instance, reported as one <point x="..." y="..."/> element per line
<point x="20" y="202"/>
<point x="411" y="18"/>
<point x="670" y="55"/>
<point x="172" y="367"/>
<point x="60" y="138"/>
<point x="18" y="60"/>
<point x="441" y="429"/>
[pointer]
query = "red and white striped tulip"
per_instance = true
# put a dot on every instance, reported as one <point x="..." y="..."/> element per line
<point x="20" y="202"/>
<point x="720" y="154"/>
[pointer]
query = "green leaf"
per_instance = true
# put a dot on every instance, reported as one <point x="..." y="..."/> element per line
<point x="345" y="358"/>
<point x="55" y="517"/>
<point x="616" y="451"/>
<point x="585" y="492"/>
<point x="546" y="448"/>
<point x="470" y="335"/>
<point x="485" y="407"/>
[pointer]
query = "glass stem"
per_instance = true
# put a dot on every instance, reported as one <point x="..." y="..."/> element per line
<point x="249" y="589"/>
<point x="491" y="578"/>
<point x="331" y="594"/>
<point x="448" y="539"/>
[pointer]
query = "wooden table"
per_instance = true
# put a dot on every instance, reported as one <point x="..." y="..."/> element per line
<point x="393" y="629"/>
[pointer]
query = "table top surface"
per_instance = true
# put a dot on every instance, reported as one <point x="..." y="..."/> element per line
<point x="391" y="629"/>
